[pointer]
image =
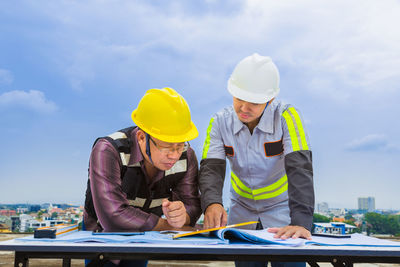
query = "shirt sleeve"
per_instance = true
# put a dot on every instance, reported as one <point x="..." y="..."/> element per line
<point x="188" y="188"/>
<point x="295" y="137"/>
<point x="213" y="144"/>
<point x="298" y="167"/>
<point x="212" y="166"/>
<point x="110" y="202"/>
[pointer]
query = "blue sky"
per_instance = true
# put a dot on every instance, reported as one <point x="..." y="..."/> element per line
<point x="71" y="71"/>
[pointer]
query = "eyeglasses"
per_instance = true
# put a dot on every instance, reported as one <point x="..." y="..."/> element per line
<point x="169" y="150"/>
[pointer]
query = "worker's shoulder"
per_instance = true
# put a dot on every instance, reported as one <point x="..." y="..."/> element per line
<point x="224" y="115"/>
<point x="281" y="107"/>
<point x="225" y="112"/>
<point x="118" y="140"/>
<point x="104" y="148"/>
<point x="191" y="154"/>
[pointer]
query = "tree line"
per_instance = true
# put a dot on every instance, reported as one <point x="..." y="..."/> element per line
<point x="373" y="223"/>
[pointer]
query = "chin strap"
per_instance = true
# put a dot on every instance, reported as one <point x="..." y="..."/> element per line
<point x="266" y="106"/>
<point x="148" y="147"/>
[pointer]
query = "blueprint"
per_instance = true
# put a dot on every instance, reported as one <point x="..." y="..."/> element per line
<point x="223" y="236"/>
<point x="146" y="237"/>
<point x="266" y="238"/>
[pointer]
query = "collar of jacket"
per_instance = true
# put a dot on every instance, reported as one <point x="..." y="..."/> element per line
<point x="266" y="123"/>
<point x="136" y="155"/>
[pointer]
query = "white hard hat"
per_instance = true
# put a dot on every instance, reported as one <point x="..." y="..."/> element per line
<point x="255" y="79"/>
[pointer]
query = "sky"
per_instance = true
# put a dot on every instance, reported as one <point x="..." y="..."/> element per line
<point x="72" y="71"/>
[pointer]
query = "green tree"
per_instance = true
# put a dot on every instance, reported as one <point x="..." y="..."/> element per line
<point x="39" y="214"/>
<point x="320" y="218"/>
<point x="383" y="224"/>
<point x="348" y="217"/>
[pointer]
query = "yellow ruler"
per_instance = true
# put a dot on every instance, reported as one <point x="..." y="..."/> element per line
<point x="212" y="229"/>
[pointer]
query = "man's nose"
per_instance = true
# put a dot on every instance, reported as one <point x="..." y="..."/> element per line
<point x="245" y="107"/>
<point x="174" y="154"/>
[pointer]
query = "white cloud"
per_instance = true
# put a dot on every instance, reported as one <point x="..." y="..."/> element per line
<point x="6" y="77"/>
<point x="33" y="100"/>
<point x="346" y="44"/>
<point x="371" y="142"/>
<point x="342" y="49"/>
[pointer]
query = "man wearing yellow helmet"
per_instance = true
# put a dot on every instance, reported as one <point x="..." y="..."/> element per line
<point x="139" y="174"/>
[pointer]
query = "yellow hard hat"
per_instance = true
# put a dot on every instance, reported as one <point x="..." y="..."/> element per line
<point x="164" y="114"/>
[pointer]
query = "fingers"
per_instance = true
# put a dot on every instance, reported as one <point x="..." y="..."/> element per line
<point x="175" y="205"/>
<point x="216" y="220"/>
<point x="285" y="232"/>
<point x="224" y="219"/>
<point x="306" y="234"/>
<point x="175" y="212"/>
<point x="290" y="231"/>
<point x="164" y="206"/>
<point x="165" y="202"/>
<point x="215" y="216"/>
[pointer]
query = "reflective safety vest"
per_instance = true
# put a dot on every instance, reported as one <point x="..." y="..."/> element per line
<point x="134" y="182"/>
<point x="259" y="183"/>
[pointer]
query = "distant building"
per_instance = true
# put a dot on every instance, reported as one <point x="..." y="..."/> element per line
<point x="338" y="219"/>
<point x="4" y="228"/>
<point x="338" y="212"/>
<point x="366" y="204"/>
<point x="55" y="209"/>
<point x="22" y="210"/>
<point x="30" y="223"/>
<point x="15" y="223"/>
<point x="5" y="220"/>
<point x="322" y="208"/>
<point x="334" y="228"/>
<point x="7" y="212"/>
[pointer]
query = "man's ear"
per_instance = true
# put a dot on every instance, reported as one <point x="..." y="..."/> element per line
<point x="140" y="136"/>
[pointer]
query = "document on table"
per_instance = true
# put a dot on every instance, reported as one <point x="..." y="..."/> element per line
<point x="147" y="237"/>
<point x="223" y="236"/>
<point x="266" y="238"/>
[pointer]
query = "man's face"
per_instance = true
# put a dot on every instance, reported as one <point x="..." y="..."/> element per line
<point x="248" y="112"/>
<point x="163" y="154"/>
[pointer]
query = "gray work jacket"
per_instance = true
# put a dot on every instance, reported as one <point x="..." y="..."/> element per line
<point x="271" y="169"/>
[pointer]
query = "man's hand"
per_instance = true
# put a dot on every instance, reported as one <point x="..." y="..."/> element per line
<point x="215" y="216"/>
<point x="290" y="231"/>
<point x="175" y="212"/>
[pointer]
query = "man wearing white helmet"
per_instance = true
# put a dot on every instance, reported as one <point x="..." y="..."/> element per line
<point x="269" y="154"/>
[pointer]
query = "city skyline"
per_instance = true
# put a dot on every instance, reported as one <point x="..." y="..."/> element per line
<point x="317" y="204"/>
<point x="74" y="71"/>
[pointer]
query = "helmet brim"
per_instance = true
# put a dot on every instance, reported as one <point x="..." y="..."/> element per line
<point x="250" y="96"/>
<point x="190" y="134"/>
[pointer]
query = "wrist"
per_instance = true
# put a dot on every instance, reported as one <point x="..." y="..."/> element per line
<point x="162" y="224"/>
<point x="187" y="221"/>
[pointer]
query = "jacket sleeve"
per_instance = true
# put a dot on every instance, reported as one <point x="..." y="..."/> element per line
<point x="298" y="166"/>
<point x="112" y="208"/>
<point x="212" y="166"/>
<point x="299" y="171"/>
<point x="211" y="182"/>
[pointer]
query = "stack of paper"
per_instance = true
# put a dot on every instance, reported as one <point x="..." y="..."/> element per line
<point x="55" y="231"/>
